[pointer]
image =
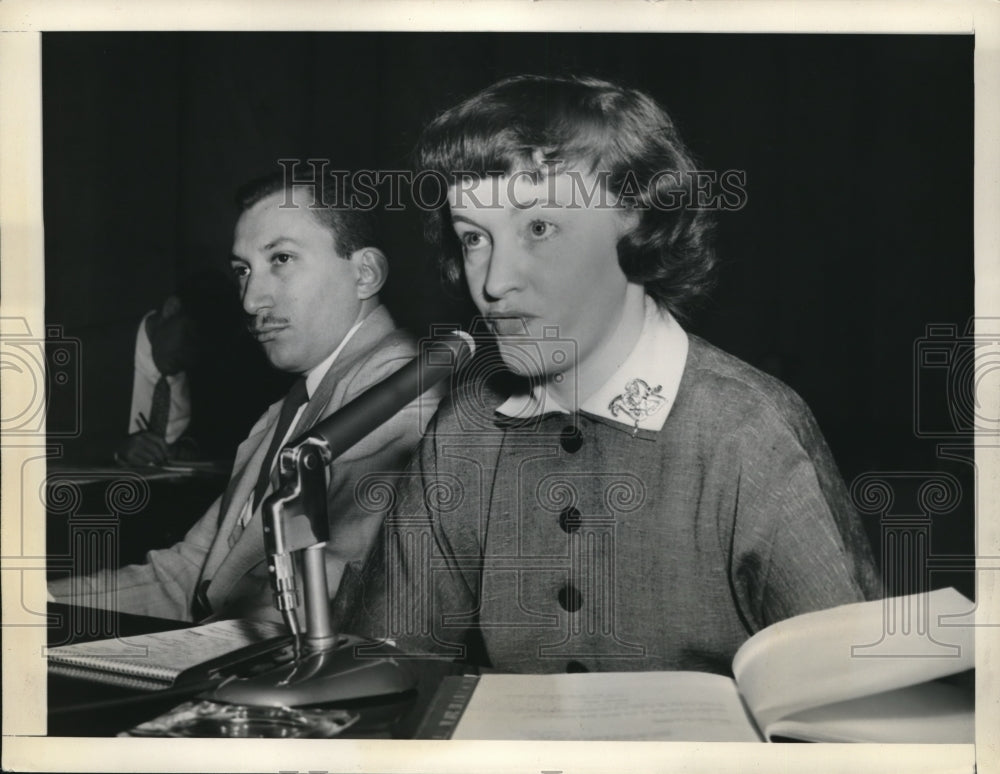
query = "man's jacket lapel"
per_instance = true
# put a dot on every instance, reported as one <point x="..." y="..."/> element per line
<point x="249" y="457"/>
<point x="227" y="564"/>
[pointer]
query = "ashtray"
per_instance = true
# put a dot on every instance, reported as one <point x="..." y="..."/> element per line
<point x="236" y="721"/>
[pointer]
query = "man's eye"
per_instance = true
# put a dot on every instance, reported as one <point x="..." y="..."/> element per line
<point x="281" y="258"/>
<point x="540" y="229"/>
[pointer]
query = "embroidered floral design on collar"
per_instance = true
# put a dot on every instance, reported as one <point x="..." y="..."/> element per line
<point x="639" y="400"/>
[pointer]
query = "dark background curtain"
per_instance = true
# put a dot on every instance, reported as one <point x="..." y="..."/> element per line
<point x="855" y="237"/>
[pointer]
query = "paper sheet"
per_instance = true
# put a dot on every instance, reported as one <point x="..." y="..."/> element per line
<point x="678" y="706"/>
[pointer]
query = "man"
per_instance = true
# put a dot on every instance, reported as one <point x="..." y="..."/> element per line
<point x="639" y="500"/>
<point x="160" y="412"/>
<point x="309" y="278"/>
<point x="190" y="355"/>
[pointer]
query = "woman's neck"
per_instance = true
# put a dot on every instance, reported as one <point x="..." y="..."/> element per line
<point x="594" y="368"/>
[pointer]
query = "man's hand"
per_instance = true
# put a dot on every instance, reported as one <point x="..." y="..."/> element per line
<point x="184" y="449"/>
<point x="142" y="448"/>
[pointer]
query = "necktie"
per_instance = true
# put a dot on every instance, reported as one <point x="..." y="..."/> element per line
<point x="293" y="400"/>
<point x="159" y="410"/>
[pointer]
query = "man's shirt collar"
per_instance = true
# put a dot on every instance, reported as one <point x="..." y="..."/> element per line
<point x="641" y="391"/>
<point x="315" y="375"/>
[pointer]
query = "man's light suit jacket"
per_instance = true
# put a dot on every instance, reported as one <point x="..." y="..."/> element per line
<point x="226" y="563"/>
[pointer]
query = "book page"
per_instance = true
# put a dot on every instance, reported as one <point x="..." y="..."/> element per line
<point x="650" y="706"/>
<point x="166" y="654"/>
<point x="852" y="651"/>
<point x="930" y="713"/>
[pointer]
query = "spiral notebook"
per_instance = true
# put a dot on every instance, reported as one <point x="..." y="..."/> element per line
<point x="155" y="661"/>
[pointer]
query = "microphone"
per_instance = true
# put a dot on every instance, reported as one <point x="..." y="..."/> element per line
<point x="437" y="359"/>
<point x="295" y="516"/>
<point x="295" y="519"/>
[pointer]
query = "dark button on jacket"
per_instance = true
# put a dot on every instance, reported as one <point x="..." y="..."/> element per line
<point x="571" y="439"/>
<point x="570" y="520"/>
<point x="570" y="598"/>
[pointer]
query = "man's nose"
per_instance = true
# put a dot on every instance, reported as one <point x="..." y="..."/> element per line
<point x="503" y="273"/>
<point x="256" y="294"/>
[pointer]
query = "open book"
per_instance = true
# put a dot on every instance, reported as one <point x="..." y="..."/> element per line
<point x="866" y="672"/>
<point x="156" y="661"/>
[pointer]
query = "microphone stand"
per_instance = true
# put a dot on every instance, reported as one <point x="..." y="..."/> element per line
<point x="327" y="666"/>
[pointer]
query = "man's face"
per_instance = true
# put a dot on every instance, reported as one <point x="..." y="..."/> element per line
<point x="539" y="262"/>
<point x="301" y="294"/>
<point x="173" y="338"/>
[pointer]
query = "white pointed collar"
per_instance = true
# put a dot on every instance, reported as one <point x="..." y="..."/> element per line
<point x="641" y="391"/>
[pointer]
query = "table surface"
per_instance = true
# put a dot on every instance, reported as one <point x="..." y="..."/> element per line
<point x="85" y="708"/>
<point x="121" y="513"/>
<point x="67" y="471"/>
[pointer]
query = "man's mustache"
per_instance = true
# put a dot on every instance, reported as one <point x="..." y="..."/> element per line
<point x="257" y="324"/>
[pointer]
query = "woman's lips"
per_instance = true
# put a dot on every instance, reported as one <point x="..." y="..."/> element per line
<point x="509" y="324"/>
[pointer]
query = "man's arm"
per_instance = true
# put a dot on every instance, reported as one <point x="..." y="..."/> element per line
<point x="162" y="587"/>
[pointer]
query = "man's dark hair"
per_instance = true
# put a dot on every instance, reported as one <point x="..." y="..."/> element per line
<point x="352" y="228"/>
<point x="533" y="123"/>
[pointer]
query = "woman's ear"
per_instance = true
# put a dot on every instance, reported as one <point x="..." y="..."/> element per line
<point x="628" y="220"/>
<point x="371" y="268"/>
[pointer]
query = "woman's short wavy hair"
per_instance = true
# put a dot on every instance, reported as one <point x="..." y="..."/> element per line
<point x="533" y="122"/>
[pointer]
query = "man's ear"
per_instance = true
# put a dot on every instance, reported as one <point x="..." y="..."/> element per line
<point x="371" y="268"/>
<point x="171" y="306"/>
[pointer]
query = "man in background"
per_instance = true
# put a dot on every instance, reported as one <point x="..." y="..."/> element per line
<point x="193" y="362"/>
<point x="165" y="347"/>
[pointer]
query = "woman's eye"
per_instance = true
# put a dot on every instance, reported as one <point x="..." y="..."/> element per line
<point x="281" y="258"/>
<point x="539" y="229"/>
<point x="472" y="240"/>
<point x="240" y="271"/>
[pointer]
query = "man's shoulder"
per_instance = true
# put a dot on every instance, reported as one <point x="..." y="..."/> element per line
<point x="377" y="359"/>
<point x="391" y="344"/>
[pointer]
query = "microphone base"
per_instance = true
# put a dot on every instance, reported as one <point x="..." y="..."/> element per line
<point x="327" y="676"/>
